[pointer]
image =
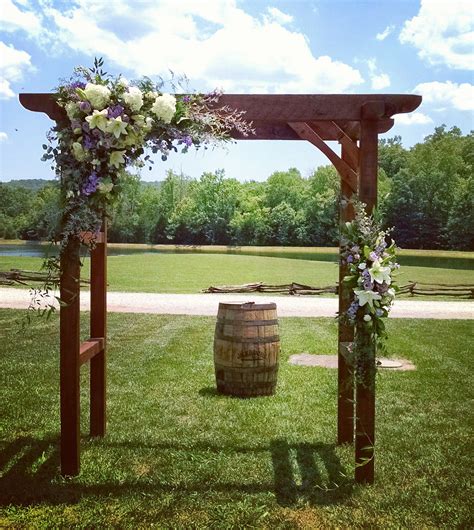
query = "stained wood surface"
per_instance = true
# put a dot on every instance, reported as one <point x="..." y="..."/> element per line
<point x="345" y="375"/>
<point x="271" y="112"/>
<point x="365" y="389"/>
<point x="89" y="349"/>
<point x="246" y="349"/>
<point x="69" y="360"/>
<point x="98" y="328"/>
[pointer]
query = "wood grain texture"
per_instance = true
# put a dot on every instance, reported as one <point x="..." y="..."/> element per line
<point x="69" y="331"/>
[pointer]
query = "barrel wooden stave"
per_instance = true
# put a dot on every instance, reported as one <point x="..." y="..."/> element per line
<point x="246" y="349"/>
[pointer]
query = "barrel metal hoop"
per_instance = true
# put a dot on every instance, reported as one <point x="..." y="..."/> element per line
<point x="246" y="323"/>
<point x="248" y="340"/>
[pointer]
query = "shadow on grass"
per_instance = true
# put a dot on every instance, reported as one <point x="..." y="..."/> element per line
<point x="310" y="473"/>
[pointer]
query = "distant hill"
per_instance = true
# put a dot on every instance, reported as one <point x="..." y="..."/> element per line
<point x="30" y="184"/>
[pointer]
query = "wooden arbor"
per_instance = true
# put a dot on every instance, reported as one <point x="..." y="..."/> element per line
<point x="352" y="120"/>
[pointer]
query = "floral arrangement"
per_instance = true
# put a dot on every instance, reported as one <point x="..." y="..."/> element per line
<point x="371" y="263"/>
<point x="111" y="125"/>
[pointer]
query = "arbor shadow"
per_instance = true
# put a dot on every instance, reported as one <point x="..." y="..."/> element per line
<point x="323" y="480"/>
<point x="29" y="474"/>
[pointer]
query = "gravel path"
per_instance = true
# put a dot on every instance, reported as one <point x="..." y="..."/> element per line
<point x="206" y="304"/>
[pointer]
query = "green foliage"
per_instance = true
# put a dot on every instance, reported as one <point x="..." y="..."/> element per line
<point x="425" y="193"/>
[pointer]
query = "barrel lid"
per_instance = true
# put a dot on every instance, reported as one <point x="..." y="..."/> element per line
<point x="246" y="306"/>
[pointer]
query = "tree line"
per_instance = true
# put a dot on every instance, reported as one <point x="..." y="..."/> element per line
<point x="426" y="193"/>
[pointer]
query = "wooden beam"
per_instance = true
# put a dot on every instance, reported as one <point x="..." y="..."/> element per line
<point x="69" y="359"/>
<point x="349" y="148"/>
<point x="89" y="349"/>
<point x="98" y="328"/>
<point x="276" y="107"/>
<point x="365" y="387"/>
<point x="345" y="374"/>
<point x="345" y="171"/>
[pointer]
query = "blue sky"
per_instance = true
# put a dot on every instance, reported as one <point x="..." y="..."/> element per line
<point x="247" y="46"/>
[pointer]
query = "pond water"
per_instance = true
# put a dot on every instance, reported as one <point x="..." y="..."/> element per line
<point x="37" y="249"/>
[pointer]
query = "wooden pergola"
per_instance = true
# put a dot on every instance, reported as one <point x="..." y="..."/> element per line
<point x="354" y="121"/>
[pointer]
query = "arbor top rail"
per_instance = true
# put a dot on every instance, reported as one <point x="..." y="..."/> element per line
<point x="271" y="113"/>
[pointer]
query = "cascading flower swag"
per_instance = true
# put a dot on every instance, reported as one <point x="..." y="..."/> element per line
<point x="111" y="125"/>
<point x="371" y="264"/>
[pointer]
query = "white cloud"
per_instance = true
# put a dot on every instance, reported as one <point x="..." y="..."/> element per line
<point x="13" y="64"/>
<point x="215" y="43"/>
<point x="278" y="16"/>
<point x="14" y="19"/>
<point x="3" y="136"/>
<point x="443" y="33"/>
<point x="385" y="33"/>
<point x="378" y="79"/>
<point x="414" y="118"/>
<point x="448" y="94"/>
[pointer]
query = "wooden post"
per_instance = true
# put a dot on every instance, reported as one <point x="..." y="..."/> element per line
<point x="69" y="359"/>
<point x="365" y="386"/>
<point x="345" y="376"/>
<point x="98" y="329"/>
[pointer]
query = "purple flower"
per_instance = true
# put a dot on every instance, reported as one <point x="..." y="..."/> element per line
<point x="379" y="312"/>
<point x="115" y="111"/>
<point x="368" y="285"/>
<point x="365" y="273"/>
<point x="382" y="287"/>
<point x="355" y="248"/>
<point x="85" y="106"/>
<point x="91" y="184"/>
<point x="373" y="256"/>
<point x="96" y="132"/>
<point x="89" y="142"/>
<point x="186" y="99"/>
<point x="350" y="259"/>
<point x="85" y="127"/>
<point x="77" y="84"/>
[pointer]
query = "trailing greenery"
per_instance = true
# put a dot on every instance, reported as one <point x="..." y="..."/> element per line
<point x="177" y="455"/>
<point x="426" y="193"/>
<point x="370" y="262"/>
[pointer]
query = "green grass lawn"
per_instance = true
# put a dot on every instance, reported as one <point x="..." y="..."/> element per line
<point x="180" y="456"/>
<point x="190" y="273"/>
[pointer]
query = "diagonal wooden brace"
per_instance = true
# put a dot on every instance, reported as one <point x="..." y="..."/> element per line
<point x="304" y="131"/>
<point x="349" y="145"/>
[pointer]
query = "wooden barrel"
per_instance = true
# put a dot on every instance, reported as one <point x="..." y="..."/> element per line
<point x="246" y="348"/>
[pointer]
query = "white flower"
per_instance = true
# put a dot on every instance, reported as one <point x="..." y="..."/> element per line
<point x="367" y="297"/>
<point x="78" y="151"/>
<point x="362" y="266"/>
<point x="367" y="318"/>
<point x="164" y="107"/>
<point x="72" y="110"/>
<point x="117" y="127"/>
<point x="133" y="98"/>
<point x="380" y="274"/>
<point x="98" y="119"/>
<point x="97" y="95"/>
<point x="116" y="158"/>
<point x="150" y="95"/>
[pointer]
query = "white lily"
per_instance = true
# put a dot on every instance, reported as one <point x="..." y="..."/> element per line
<point x="117" y="127"/>
<point x="366" y="297"/>
<point x="98" y="119"/>
<point x="116" y="158"/>
<point x="380" y="274"/>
